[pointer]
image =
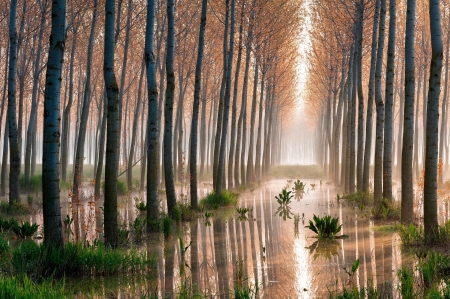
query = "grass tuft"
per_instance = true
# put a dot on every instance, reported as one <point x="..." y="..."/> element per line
<point x="214" y="201"/>
<point x="23" y="287"/>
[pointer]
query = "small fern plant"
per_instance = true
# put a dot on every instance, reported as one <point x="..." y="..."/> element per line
<point x="325" y="227"/>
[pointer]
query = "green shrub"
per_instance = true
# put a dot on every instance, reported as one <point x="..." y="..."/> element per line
<point x="387" y="210"/>
<point x="122" y="188"/>
<point x="65" y="185"/>
<point x="325" y="227"/>
<point x="141" y="206"/>
<point x="411" y="235"/>
<point x="226" y="198"/>
<point x="299" y="186"/>
<point x="360" y="198"/>
<point x="24" y="288"/>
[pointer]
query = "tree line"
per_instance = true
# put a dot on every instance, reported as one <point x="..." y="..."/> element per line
<point x="376" y="68"/>
<point x="174" y="87"/>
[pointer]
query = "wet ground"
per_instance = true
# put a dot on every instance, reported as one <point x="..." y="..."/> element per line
<point x="279" y="257"/>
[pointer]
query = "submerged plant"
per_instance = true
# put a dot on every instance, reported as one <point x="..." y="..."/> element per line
<point x="138" y="226"/>
<point x="284" y="199"/>
<point x="325" y="227"/>
<point x="242" y="213"/>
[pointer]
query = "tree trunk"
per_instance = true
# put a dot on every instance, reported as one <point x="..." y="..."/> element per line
<point x="4" y="161"/>
<point x="194" y="124"/>
<point x="34" y="104"/>
<point x="168" y="111"/>
<point x="226" y="112"/>
<point x="408" y="122"/>
<point x="387" y="152"/>
<point x="233" y="142"/>
<point x="259" y="136"/>
<point x="152" y="123"/>
<point x="50" y="160"/>
<point x="133" y="132"/>
<point x="432" y="136"/>
<point x="79" y="157"/>
<point x="360" y="152"/>
<point x="378" y="172"/>
<point x="251" y="147"/>
<point x="101" y="151"/>
<point x="14" y="157"/>
<point x="113" y="133"/>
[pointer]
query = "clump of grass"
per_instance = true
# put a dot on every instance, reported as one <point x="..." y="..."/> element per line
<point x="325" y="227"/>
<point x="65" y="185"/>
<point x="183" y="212"/>
<point x="139" y="226"/>
<point x="33" y="185"/>
<point x="411" y="235"/>
<point x="213" y="200"/>
<point x="4" y="246"/>
<point x="75" y="259"/>
<point x="15" y="209"/>
<point x="358" y="199"/>
<point x="387" y="210"/>
<point x="122" y="188"/>
<point x="24" y="287"/>
<point x="167" y="226"/>
<point x="141" y="206"/>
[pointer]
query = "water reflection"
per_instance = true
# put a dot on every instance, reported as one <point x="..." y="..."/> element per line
<point x="279" y="256"/>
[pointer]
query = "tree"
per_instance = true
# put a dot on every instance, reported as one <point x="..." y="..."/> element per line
<point x="387" y="150"/>
<point x="378" y="172"/>
<point x="152" y="123"/>
<point x="112" y="135"/>
<point x="14" y="156"/>
<point x="195" y="107"/>
<point x="52" y="102"/>
<point x="408" y="122"/>
<point x="432" y="136"/>
<point x="168" y="109"/>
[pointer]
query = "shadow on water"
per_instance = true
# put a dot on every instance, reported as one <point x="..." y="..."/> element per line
<point x="278" y="255"/>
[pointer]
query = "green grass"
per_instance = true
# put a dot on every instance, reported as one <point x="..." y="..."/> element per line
<point x="75" y="259"/>
<point x="23" y="287"/>
<point x="122" y="188"/>
<point x="15" y="209"/>
<point x="295" y="171"/>
<point x="34" y="185"/>
<point x="214" y="201"/>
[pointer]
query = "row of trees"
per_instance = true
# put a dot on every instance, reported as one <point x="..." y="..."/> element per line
<point x="91" y="110"/>
<point x="350" y="76"/>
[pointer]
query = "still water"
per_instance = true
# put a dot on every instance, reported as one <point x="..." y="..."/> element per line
<point x="279" y="258"/>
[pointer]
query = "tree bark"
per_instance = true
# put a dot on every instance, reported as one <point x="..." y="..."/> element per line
<point x="387" y="151"/>
<point x="79" y="156"/>
<point x="378" y="172"/>
<point x="408" y="122"/>
<point x="113" y="133"/>
<point x="194" y="124"/>
<point x="168" y="111"/>
<point x="14" y="157"/>
<point x="432" y="136"/>
<point x="50" y="160"/>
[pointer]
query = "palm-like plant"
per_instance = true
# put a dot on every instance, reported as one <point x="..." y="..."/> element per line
<point x="326" y="227"/>
<point x="284" y="199"/>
